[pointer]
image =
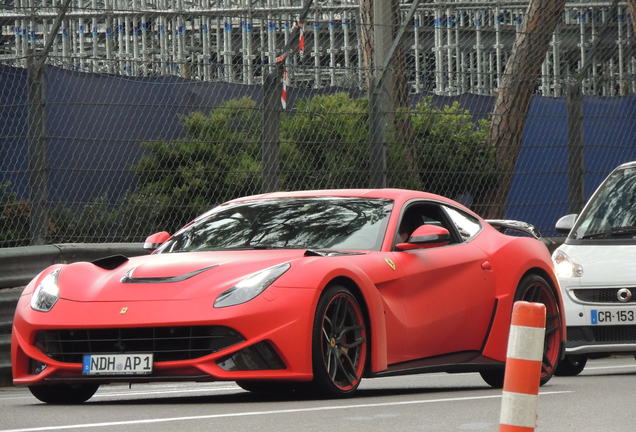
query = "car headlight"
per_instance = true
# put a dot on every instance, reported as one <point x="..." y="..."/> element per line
<point x="46" y="293"/>
<point x="564" y="266"/>
<point x="251" y="286"/>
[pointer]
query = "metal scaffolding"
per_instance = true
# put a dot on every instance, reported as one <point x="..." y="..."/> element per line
<point x="452" y="47"/>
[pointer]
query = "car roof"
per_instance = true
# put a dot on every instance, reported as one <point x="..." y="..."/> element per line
<point x="387" y="193"/>
<point x="400" y="196"/>
<point x="631" y="164"/>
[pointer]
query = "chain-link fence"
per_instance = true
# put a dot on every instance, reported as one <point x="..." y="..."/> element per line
<point x="122" y="118"/>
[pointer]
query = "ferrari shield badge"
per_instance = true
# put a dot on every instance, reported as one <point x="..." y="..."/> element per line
<point x="390" y="263"/>
<point x="123" y="310"/>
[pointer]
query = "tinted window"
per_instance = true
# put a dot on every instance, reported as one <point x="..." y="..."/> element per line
<point x="423" y="214"/>
<point x="467" y="225"/>
<point x="307" y="223"/>
<point x="612" y="211"/>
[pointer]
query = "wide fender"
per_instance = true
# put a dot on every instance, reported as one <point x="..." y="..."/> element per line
<point x="326" y="271"/>
<point x="510" y="264"/>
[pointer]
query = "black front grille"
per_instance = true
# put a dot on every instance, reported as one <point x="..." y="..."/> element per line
<point x="603" y="334"/>
<point x="166" y="343"/>
<point x="602" y="295"/>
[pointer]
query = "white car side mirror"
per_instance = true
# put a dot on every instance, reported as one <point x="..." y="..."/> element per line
<point x="565" y="223"/>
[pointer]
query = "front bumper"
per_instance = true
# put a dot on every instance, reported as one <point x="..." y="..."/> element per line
<point x="273" y="320"/>
<point x="597" y="327"/>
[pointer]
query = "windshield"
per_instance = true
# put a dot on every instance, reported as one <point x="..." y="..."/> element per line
<point x="292" y="223"/>
<point x="612" y="211"/>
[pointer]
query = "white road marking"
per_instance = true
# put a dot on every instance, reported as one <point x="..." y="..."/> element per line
<point x="259" y="413"/>
<point x="140" y="393"/>
<point x="611" y="367"/>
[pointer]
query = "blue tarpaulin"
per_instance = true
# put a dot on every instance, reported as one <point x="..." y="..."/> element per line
<point x="96" y="123"/>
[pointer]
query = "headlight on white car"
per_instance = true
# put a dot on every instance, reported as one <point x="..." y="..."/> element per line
<point x="46" y="293"/>
<point x="251" y="286"/>
<point x="564" y="266"/>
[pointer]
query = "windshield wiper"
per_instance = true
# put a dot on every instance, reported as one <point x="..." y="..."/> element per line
<point x="613" y="232"/>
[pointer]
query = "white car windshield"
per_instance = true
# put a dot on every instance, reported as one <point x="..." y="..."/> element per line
<point x="291" y="223"/>
<point x="612" y="211"/>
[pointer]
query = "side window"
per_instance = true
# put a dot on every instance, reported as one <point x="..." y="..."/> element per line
<point x="467" y="226"/>
<point x="424" y="214"/>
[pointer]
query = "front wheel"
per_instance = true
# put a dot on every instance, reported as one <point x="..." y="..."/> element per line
<point x="339" y="346"/>
<point x="534" y="288"/>
<point x="571" y="365"/>
<point x="64" y="394"/>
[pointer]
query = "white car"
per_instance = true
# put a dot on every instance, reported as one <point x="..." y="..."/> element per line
<point x="596" y="267"/>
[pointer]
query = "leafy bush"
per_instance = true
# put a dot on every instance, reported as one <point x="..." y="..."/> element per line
<point x="14" y="217"/>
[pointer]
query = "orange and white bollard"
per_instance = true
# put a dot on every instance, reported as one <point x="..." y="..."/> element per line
<point x="523" y="368"/>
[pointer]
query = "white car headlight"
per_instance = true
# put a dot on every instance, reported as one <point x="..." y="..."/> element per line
<point x="251" y="286"/>
<point x="46" y="293"/>
<point x="564" y="266"/>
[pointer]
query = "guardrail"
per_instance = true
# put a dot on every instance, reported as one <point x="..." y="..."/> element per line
<point x="18" y="265"/>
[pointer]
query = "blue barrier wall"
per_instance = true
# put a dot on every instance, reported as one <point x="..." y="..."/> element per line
<point x="96" y="123"/>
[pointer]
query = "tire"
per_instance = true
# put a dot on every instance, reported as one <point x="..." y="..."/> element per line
<point x="64" y="394"/>
<point x="571" y="365"/>
<point x="534" y="288"/>
<point x="339" y="343"/>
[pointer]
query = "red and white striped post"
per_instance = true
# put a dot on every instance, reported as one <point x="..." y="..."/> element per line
<point x="523" y="368"/>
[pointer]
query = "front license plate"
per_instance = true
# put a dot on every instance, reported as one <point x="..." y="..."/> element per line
<point x="117" y="364"/>
<point x="612" y="316"/>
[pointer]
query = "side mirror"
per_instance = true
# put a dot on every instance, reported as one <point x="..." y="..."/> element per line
<point x="565" y="223"/>
<point x="426" y="236"/>
<point x="156" y="240"/>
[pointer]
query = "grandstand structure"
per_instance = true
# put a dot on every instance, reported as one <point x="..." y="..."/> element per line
<point x="452" y="47"/>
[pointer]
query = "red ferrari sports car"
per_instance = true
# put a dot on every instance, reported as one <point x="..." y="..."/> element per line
<point x="281" y="291"/>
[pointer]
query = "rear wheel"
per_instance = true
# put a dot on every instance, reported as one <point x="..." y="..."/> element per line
<point x="339" y="343"/>
<point x="534" y="288"/>
<point x="67" y="394"/>
<point x="571" y="365"/>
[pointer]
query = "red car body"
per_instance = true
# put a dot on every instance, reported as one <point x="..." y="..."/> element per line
<point x="442" y="306"/>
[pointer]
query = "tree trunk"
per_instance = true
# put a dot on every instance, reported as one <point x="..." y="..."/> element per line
<point x="366" y="39"/>
<point x="513" y="99"/>
<point x="631" y="6"/>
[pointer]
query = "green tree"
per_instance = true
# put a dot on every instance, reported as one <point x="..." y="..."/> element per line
<point x="324" y="143"/>
<point x="218" y="159"/>
<point x="453" y="154"/>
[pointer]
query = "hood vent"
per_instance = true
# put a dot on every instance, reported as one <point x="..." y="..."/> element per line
<point x="110" y="262"/>
<point x="329" y="252"/>
<point x="129" y="278"/>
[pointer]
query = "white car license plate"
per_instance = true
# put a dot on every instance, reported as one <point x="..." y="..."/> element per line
<point x="117" y="364"/>
<point x="612" y="316"/>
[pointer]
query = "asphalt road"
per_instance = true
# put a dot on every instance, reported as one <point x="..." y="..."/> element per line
<point x="600" y="399"/>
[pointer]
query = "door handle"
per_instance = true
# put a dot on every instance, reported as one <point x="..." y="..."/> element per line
<point x="486" y="266"/>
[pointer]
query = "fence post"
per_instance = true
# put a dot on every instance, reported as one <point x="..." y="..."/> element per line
<point x="576" y="197"/>
<point x="38" y="172"/>
<point x="380" y="100"/>
<point x="523" y="368"/>
<point x="271" y="127"/>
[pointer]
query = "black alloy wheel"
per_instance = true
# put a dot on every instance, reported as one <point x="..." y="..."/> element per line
<point x="339" y="350"/>
<point x="64" y="394"/>
<point x="534" y="288"/>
